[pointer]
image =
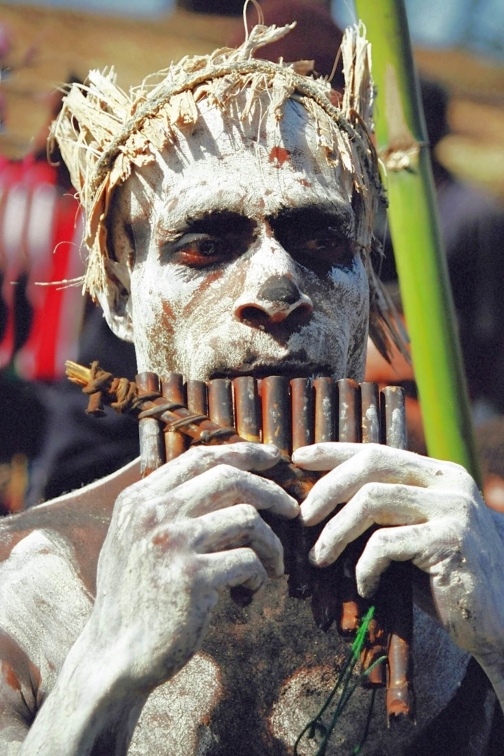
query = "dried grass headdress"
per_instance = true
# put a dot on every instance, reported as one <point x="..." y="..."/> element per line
<point x="102" y="132"/>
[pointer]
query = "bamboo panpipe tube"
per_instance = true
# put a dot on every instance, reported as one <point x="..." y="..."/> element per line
<point x="400" y="698"/>
<point x="376" y="644"/>
<point x="247" y="408"/>
<point x="152" y="453"/>
<point x="172" y="388"/>
<point x="220" y="402"/>
<point x="353" y="607"/>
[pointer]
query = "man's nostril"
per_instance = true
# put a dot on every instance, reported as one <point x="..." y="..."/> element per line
<point x="279" y="289"/>
<point x="252" y="314"/>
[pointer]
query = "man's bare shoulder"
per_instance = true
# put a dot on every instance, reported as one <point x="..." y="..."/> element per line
<point x="81" y="518"/>
<point x="48" y="558"/>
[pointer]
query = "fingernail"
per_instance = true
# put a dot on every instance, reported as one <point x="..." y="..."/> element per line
<point x="271" y="448"/>
<point x="367" y="588"/>
<point x="307" y="510"/>
<point x="317" y="556"/>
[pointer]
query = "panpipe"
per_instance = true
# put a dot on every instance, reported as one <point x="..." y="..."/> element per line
<point x="289" y="413"/>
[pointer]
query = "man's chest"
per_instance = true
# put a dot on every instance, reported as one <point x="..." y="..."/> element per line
<point x="263" y="673"/>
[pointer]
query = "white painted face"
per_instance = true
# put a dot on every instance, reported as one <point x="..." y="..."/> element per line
<point x="237" y="251"/>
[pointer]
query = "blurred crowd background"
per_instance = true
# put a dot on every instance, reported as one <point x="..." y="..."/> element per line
<point x="47" y="443"/>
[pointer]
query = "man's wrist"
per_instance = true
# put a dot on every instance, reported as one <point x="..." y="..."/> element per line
<point x="93" y="695"/>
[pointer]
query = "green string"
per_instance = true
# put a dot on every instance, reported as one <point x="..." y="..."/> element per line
<point x="345" y="690"/>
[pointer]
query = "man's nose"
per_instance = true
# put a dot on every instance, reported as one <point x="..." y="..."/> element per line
<point x="278" y="300"/>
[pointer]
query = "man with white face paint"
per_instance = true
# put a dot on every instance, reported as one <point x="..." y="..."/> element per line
<point x="230" y="211"/>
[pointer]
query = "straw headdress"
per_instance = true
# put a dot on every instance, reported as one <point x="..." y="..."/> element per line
<point x="103" y="132"/>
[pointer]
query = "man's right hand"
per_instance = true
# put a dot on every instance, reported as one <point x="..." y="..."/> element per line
<point x="175" y="540"/>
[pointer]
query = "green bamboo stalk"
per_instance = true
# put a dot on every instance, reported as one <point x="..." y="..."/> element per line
<point x="414" y="227"/>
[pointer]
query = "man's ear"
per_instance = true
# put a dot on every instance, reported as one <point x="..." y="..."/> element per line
<point x="115" y="300"/>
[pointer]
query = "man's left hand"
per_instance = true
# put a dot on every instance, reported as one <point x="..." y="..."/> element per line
<point x="431" y="513"/>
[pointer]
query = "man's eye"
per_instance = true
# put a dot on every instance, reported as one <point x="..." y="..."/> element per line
<point x="200" y="250"/>
<point x="325" y="251"/>
<point x="207" y="247"/>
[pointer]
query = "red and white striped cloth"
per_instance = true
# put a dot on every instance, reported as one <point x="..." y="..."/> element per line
<point x="40" y="237"/>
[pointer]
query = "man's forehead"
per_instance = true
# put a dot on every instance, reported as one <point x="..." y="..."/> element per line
<point x="255" y="168"/>
<point x="260" y="140"/>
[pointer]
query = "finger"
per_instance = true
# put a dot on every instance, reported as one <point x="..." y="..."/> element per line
<point x="324" y="456"/>
<point x="381" y="464"/>
<point x="413" y="542"/>
<point x="225" y="486"/>
<point x="400" y="466"/>
<point x="243" y="456"/>
<point x="376" y="504"/>
<point x="241" y="526"/>
<point x="412" y="468"/>
<point x="228" y="569"/>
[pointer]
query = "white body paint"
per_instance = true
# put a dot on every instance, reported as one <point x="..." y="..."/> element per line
<point x="180" y="538"/>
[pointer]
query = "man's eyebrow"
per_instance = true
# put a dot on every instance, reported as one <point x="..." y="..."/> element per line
<point x="218" y="222"/>
<point x="313" y="215"/>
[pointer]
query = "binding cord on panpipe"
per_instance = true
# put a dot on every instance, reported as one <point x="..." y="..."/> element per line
<point x="288" y="413"/>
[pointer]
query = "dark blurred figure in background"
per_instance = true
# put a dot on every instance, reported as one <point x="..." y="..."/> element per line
<point x="316" y="36"/>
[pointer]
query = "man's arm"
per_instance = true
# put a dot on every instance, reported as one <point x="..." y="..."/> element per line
<point x="175" y="541"/>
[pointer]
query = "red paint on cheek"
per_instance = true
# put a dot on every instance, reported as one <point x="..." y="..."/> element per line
<point x="279" y="155"/>
<point x="168" y="317"/>
<point x="9" y="676"/>
<point x="209" y="278"/>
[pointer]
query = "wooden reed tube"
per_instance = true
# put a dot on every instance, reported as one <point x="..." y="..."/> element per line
<point x="152" y="453"/>
<point x="370" y="408"/>
<point x="276" y="412"/>
<point x="197" y="397"/>
<point x="302" y="413"/>
<point x="326" y="419"/>
<point x="303" y="578"/>
<point x="349" y="430"/>
<point x="247" y="408"/>
<point x="377" y="641"/>
<point x="276" y="429"/>
<point x="220" y="402"/>
<point x="400" y="696"/>
<point x="326" y="604"/>
<point x="172" y="388"/>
